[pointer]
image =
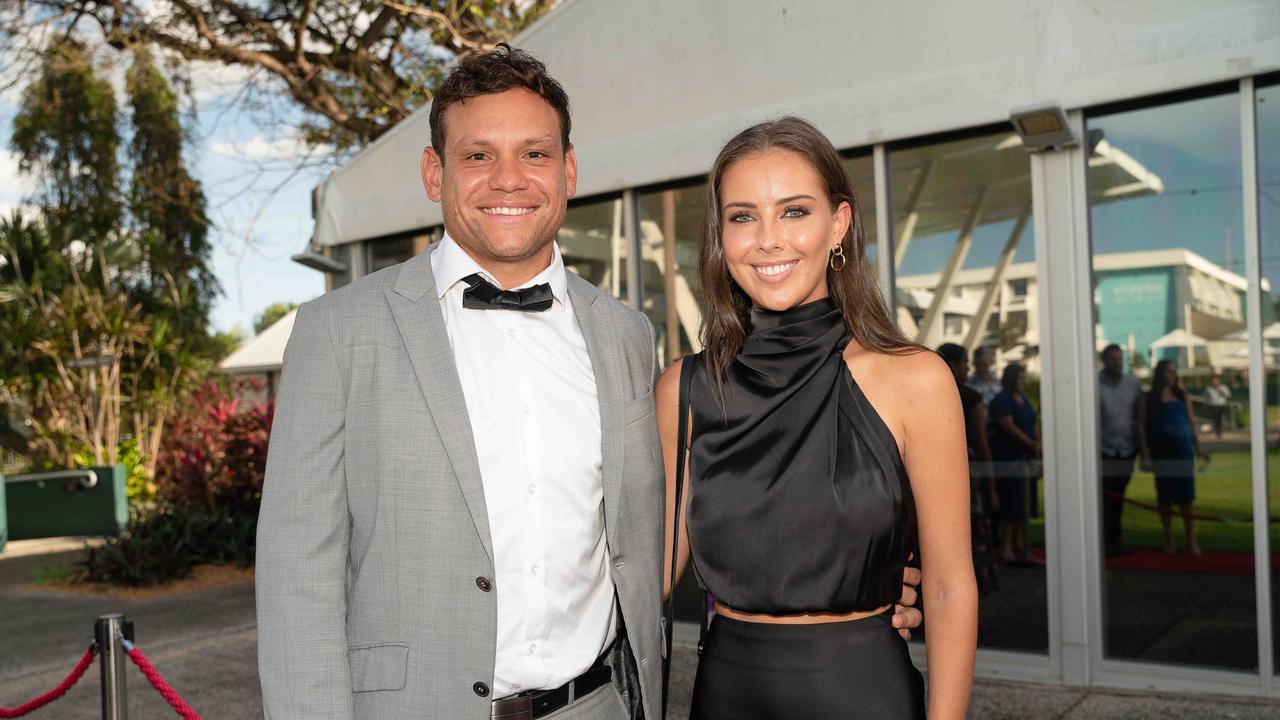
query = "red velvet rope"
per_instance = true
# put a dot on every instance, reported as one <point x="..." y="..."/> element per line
<point x="158" y="682"/>
<point x="76" y="673"/>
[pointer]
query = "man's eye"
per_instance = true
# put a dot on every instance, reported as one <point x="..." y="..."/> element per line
<point x="538" y="154"/>
<point x="476" y="156"/>
<point x="794" y="212"/>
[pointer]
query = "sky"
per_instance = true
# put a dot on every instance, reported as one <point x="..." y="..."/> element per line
<point x="258" y="198"/>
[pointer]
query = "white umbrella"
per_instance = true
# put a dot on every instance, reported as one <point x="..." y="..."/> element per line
<point x="1178" y="338"/>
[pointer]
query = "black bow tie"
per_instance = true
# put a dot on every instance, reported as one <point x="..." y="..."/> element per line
<point x="484" y="295"/>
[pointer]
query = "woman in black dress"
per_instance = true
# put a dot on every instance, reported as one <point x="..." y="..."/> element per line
<point x="823" y="449"/>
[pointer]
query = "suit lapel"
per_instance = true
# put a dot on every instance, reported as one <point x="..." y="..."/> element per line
<point x="417" y="314"/>
<point x="602" y="347"/>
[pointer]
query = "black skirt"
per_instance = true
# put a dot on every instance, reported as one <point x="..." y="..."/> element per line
<point x="850" y="670"/>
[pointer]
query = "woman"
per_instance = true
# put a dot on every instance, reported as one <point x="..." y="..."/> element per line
<point x="1015" y="443"/>
<point x="1169" y="446"/>
<point x="819" y="440"/>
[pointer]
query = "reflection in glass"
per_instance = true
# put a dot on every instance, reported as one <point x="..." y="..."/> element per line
<point x="1169" y="289"/>
<point x="861" y="171"/>
<point x="1268" y="125"/>
<point x="965" y="274"/>
<point x="670" y="230"/>
<point x="592" y="244"/>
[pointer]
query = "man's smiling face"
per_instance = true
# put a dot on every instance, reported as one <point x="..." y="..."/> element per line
<point x="504" y="181"/>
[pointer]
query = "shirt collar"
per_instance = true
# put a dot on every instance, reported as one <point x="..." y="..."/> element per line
<point x="450" y="263"/>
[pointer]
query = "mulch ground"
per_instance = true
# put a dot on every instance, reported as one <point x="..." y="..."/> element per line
<point x="203" y="577"/>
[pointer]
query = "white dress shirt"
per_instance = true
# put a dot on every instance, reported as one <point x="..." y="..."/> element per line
<point x="1117" y="433"/>
<point x="531" y="398"/>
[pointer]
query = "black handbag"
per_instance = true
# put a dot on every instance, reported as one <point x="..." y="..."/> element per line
<point x="687" y="369"/>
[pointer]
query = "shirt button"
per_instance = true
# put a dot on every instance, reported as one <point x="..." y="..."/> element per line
<point x="618" y="565"/>
<point x="535" y="569"/>
<point x="484" y="584"/>
<point x="532" y="488"/>
<point x="511" y="333"/>
<point x="533" y="649"/>
<point x="525" y="408"/>
<point x="481" y="689"/>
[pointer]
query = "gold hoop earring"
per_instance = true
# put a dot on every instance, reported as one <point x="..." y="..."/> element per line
<point x="837" y="253"/>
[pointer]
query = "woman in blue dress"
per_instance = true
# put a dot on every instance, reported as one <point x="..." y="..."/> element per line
<point x="1015" y="442"/>
<point x="1169" y="445"/>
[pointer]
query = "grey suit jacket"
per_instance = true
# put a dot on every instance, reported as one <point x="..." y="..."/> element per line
<point x="374" y="552"/>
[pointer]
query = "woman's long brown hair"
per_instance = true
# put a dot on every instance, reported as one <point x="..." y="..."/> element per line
<point x="854" y="288"/>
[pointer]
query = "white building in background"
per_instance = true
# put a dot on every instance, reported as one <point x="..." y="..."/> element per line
<point x="1166" y="119"/>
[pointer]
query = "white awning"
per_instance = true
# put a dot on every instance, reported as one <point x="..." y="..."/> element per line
<point x="264" y="353"/>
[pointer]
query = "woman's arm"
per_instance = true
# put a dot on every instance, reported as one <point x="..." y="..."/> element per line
<point x="667" y="397"/>
<point x="934" y="423"/>
<point x="1195" y="434"/>
<point x="1005" y="423"/>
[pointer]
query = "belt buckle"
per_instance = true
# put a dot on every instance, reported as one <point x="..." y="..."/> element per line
<point x="516" y="707"/>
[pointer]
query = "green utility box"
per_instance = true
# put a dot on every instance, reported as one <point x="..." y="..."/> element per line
<point x="89" y="501"/>
<point x="4" y="517"/>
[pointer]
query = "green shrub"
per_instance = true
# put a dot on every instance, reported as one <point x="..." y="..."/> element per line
<point x="165" y="545"/>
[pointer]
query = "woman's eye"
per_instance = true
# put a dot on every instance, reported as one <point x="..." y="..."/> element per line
<point x="739" y="217"/>
<point x="794" y="212"/>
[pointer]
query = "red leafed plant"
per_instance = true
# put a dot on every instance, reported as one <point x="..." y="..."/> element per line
<point x="215" y="454"/>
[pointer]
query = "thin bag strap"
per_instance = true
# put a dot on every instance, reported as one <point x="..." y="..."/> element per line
<point x="687" y="368"/>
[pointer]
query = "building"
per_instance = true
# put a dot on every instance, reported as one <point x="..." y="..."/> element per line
<point x="1149" y="205"/>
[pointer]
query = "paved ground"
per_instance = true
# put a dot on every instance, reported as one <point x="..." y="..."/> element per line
<point x="205" y="644"/>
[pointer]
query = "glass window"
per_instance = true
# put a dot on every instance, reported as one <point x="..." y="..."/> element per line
<point x="1268" y="126"/>
<point x="592" y="244"/>
<point x="961" y="212"/>
<point x="387" y="252"/>
<point x="862" y="174"/>
<point x="1168" y="272"/>
<point x="670" y="230"/>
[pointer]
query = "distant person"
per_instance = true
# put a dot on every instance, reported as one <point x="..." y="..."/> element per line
<point x="983" y="379"/>
<point x="1119" y="396"/>
<point x="983" y="501"/>
<point x="1218" y="396"/>
<point x="1170" y="447"/>
<point x="1015" y="444"/>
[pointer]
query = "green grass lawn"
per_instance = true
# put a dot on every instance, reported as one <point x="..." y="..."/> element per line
<point x="1222" y="490"/>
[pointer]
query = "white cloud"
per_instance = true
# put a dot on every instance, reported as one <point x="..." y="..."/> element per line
<point x="13" y="185"/>
<point x="259" y="148"/>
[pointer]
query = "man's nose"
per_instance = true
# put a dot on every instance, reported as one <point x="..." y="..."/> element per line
<point x="508" y="175"/>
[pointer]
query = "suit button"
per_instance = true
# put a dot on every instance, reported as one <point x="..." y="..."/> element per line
<point x="481" y="689"/>
<point x="484" y="584"/>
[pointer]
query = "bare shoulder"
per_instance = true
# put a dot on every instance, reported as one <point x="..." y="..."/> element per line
<point x="668" y="390"/>
<point x="912" y="374"/>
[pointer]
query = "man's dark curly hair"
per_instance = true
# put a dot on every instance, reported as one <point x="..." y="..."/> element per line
<point x="494" y="72"/>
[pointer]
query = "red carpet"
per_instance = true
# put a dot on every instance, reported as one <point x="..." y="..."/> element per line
<point x="1210" y="563"/>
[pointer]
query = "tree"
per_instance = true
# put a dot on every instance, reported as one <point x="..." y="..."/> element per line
<point x="356" y="67"/>
<point x="65" y="134"/>
<point x="166" y="204"/>
<point x="271" y="314"/>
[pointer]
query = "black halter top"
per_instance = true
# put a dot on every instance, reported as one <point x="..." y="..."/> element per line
<point x="799" y="501"/>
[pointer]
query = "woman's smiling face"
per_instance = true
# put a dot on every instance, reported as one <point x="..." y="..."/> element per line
<point x="778" y="228"/>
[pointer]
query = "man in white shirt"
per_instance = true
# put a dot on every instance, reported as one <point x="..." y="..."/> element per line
<point x="465" y="458"/>
<point x="1118" y="428"/>
<point x="1218" y="396"/>
<point x="983" y="379"/>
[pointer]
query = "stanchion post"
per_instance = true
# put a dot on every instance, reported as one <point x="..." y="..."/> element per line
<point x="108" y="631"/>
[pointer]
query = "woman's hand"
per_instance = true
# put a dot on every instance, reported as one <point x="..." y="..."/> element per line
<point x="905" y="616"/>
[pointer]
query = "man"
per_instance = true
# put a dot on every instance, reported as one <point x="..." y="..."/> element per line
<point x="1118" y="427"/>
<point x="1219" y="396"/>
<point x="463" y="505"/>
<point x="982" y="379"/>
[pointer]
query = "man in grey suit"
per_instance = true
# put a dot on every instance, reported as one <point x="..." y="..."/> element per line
<point x="463" y="504"/>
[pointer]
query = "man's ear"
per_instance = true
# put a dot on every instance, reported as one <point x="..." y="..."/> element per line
<point x="432" y="169"/>
<point x="570" y="171"/>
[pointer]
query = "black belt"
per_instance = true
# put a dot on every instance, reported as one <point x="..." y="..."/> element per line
<point x="533" y="704"/>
